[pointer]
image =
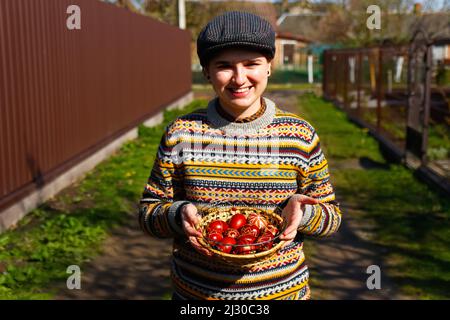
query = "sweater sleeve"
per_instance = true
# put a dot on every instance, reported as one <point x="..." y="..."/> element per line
<point x="324" y="218"/>
<point x="163" y="194"/>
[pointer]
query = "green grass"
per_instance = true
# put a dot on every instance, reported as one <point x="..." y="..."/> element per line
<point x="395" y="125"/>
<point x="438" y="142"/>
<point x="395" y="128"/>
<point x="336" y="132"/>
<point x="411" y="220"/>
<point x="70" y="228"/>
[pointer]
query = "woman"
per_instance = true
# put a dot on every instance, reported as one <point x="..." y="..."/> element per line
<point x="242" y="149"/>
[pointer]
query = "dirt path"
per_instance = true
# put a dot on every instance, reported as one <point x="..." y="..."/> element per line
<point x="134" y="266"/>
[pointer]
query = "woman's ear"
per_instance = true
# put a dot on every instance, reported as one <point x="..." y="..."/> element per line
<point x="206" y="74"/>
<point x="269" y="71"/>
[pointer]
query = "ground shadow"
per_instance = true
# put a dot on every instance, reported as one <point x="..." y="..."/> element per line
<point x="132" y="266"/>
<point x="369" y="164"/>
<point x="339" y="266"/>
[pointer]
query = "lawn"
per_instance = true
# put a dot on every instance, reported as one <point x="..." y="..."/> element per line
<point x="70" y="228"/>
<point x="411" y="219"/>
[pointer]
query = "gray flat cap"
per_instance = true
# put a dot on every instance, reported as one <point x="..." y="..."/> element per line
<point x="235" y="29"/>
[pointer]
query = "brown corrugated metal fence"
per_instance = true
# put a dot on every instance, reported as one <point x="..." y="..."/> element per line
<point x="66" y="93"/>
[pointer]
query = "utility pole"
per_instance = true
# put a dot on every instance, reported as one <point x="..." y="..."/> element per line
<point x="181" y="14"/>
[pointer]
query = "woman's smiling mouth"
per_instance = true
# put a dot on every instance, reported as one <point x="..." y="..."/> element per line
<point x="239" y="92"/>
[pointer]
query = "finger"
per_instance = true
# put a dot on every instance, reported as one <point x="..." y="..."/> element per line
<point x="292" y="226"/>
<point x="193" y="221"/>
<point x="190" y="230"/>
<point x="194" y="242"/>
<point x="190" y="220"/>
<point x="196" y="218"/>
<point x="289" y="230"/>
<point x="192" y="215"/>
<point x="293" y="222"/>
<point x="308" y="200"/>
<point x="196" y="224"/>
<point x="288" y="236"/>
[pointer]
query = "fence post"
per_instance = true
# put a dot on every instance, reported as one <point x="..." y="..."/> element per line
<point x="426" y="116"/>
<point x="325" y="74"/>
<point x="358" y="84"/>
<point x="345" y="73"/>
<point x="334" y="58"/>
<point x="379" y="87"/>
<point x="310" y="69"/>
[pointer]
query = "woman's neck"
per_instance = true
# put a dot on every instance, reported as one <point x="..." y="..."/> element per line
<point x="238" y="114"/>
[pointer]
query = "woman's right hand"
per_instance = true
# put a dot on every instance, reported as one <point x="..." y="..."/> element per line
<point x="189" y="219"/>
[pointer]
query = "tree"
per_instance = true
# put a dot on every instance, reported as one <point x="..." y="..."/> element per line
<point x="134" y="6"/>
<point x="348" y="25"/>
<point x="163" y="10"/>
<point x="335" y="26"/>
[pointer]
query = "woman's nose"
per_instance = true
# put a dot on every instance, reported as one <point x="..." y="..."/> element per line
<point x="239" y="76"/>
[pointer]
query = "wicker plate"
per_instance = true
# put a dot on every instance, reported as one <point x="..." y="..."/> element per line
<point x="240" y="259"/>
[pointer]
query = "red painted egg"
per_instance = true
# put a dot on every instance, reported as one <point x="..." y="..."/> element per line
<point x="250" y="229"/>
<point x="232" y="233"/>
<point x="247" y="238"/>
<point x="215" y="236"/>
<point x="267" y="238"/>
<point x="237" y="221"/>
<point x="257" y="220"/>
<point x="272" y="229"/>
<point x="217" y="225"/>
<point x="226" y="244"/>
<point x="248" y="247"/>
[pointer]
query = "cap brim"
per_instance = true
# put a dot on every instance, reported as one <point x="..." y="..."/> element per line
<point x="214" y="50"/>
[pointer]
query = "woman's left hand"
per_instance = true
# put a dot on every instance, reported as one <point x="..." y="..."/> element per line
<point x="293" y="215"/>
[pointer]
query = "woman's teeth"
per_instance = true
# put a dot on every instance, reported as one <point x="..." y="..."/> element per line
<point x="241" y="90"/>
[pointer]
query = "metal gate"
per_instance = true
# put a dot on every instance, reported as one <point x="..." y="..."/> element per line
<point x="419" y="81"/>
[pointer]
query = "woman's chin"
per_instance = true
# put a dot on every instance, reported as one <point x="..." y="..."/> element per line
<point x="239" y="106"/>
<point x="240" y="103"/>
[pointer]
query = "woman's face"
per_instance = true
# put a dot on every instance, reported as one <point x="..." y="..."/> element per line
<point x="239" y="77"/>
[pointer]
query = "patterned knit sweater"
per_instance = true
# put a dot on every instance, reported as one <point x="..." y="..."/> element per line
<point x="207" y="160"/>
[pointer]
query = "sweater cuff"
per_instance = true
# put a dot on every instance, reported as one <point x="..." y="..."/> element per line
<point x="308" y="210"/>
<point x="174" y="216"/>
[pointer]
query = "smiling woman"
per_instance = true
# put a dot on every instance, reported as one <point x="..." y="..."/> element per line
<point x="261" y="157"/>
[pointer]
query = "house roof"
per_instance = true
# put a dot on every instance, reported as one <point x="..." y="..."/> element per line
<point x="291" y="36"/>
<point x="304" y="25"/>
<point x="436" y="24"/>
<point x="307" y="25"/>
